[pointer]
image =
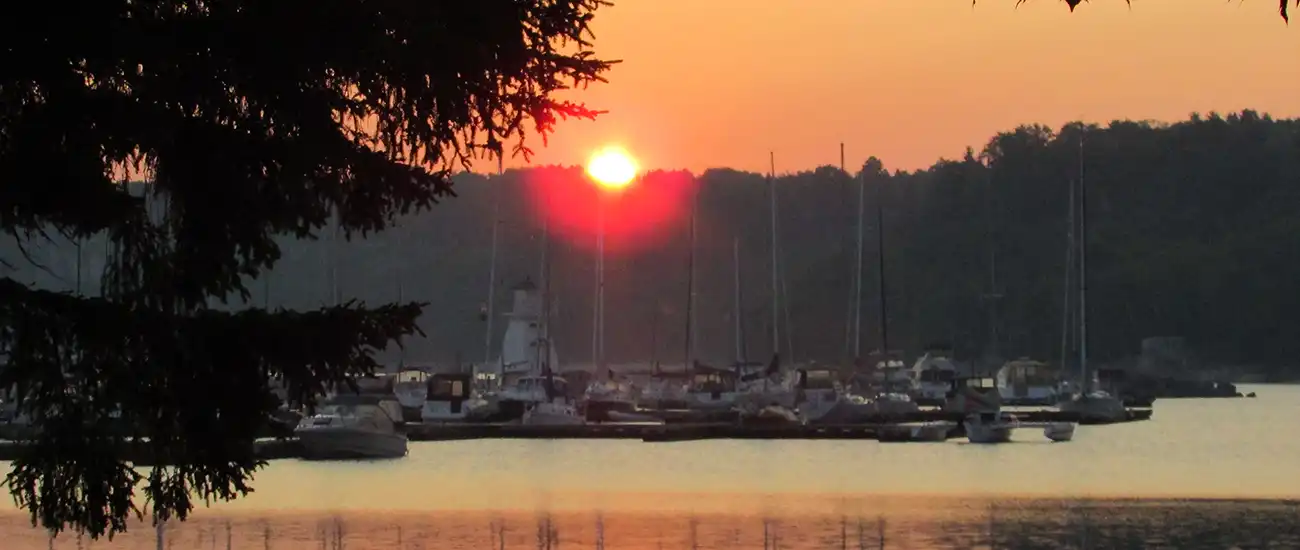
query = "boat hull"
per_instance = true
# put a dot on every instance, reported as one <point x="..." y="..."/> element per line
<point x="621" y="416"/>
<point x="1059" y="431"/>
<point x="988" y="434"/>
<point x="345" y="443"/>
<point x="1095" y="410"/>
<point x="551" y="419"/>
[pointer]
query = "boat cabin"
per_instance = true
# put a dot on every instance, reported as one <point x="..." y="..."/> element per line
<point x="711" y="380"/>
<point x="934" y="372"/>
<point x="1024" y="375"/>
<point x="378" y="410"/>
<point x="973" y="394"/>
<point x="537" y="385"/>
<point x="450" y="387"/>
<point x="817" y="379"/>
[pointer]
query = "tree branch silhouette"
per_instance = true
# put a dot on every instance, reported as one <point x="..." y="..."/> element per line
<point x="247" y="120"/>
<point x="1282" y="5"/>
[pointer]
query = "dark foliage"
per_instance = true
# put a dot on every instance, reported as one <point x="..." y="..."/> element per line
<point x="249" y="119"/>
<point x="1192" y="233"/>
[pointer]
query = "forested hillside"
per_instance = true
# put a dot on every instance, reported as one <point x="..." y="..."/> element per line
<point x="1194" y="231"/>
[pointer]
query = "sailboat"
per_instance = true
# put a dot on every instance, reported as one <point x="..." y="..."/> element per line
<point x="604" y="397"/>
<point x="557" y="409"/>
<point x="1092" y="405"/>
<point x="892" y="378"/>
<point x="710" y="388"/>
<point x="824" y="400"/>
<point x="768" y="392"/>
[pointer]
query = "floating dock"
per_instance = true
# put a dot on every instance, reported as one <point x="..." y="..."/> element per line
<point x="273" y="449"/>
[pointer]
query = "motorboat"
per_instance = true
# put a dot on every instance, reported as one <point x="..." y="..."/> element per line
<point x="990" y="427"/>
<point x="450" y="398"/>
<point x="1025" y="382"/>
<point x="411" y="387"/>
<point x="1096" y="407"/>
<point x="932" y="376"/>
<point x="923" y="432"/>
<point x="352" y="427"/>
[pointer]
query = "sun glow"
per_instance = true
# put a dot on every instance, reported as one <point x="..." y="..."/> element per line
<point x="612" y="168"/>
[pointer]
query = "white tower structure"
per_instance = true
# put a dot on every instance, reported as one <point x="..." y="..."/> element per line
<point x="520" y="353"/>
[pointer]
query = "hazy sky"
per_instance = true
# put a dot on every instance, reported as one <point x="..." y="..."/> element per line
<point x="708" y="83"/>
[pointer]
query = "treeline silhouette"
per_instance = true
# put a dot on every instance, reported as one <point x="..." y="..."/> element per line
<point x="1193" y="232"/>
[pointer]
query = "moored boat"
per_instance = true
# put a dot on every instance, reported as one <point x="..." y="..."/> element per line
<point x="352" y="427"/>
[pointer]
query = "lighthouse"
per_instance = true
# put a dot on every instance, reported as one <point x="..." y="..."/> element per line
<point x="520" y="346"/>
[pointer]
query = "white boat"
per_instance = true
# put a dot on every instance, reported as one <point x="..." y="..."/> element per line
<point x="932" y="375"/>
<point x="713" y="389"/>
<point x="450" y="398"/>
<point x="612" y="395"/>
<point x="821" y="398"/>
<point x="1093" y="406"/>
<point x="532" y="389"/>
<point x="663" y="393"/>
<point x="777" y="389"/>
<point x="411" y="387"/>
<point x="1059" y="431"/>
<point x="1097" y="407"/>
<point x="921" y="432"/>
<point x="1025" y="382"/>
<point x="352" y="427"/>
<point x="554" y="413"/>
<point x="990" y="427"/>
<point x="893" y="404"/>
<point x="890" y="375"/>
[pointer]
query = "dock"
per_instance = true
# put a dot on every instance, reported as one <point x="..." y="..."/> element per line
<point x="677" y="429"/>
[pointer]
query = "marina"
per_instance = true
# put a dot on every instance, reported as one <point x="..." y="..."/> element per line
<point x="882" y="430"/>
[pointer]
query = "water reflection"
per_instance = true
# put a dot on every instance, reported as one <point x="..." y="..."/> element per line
<point x="942" y="523"/>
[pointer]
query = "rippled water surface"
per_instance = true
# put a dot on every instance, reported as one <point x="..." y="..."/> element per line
<point x="1200" y="474"/>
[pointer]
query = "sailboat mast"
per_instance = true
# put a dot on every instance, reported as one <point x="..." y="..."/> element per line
<point x="993" y="296"/>
<point x="776" y="312"/>
<point x="598" y="307"/>
<point x="492" y="262"/>
<point x="1066" y="318"/>
<point x="857" y="270"/>
<point x="690" y="283"/>
<point x="544" y="346"/>
<point x="1083" y="273"/>
<point x="880" y="250"/>
<point x="735" y="260"/>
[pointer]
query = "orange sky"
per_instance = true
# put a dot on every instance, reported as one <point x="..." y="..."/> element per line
<point x="709" y="83"/>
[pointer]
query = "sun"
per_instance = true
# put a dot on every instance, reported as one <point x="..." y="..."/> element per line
<point x="612" y="168"/>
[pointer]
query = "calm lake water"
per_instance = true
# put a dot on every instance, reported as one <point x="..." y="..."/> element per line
<point x="1200" y="474"/>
